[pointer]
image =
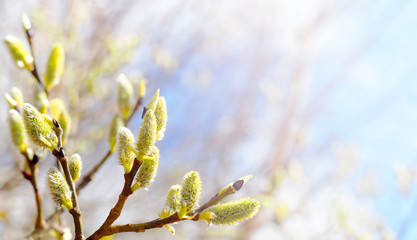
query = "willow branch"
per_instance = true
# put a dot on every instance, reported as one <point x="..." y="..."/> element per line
<point x="118" y="207"/>
<point x="160" y="222"/>
<point x="35" y="74"/>
<point x="31" y="177"/>
<point x="59" y="153"/>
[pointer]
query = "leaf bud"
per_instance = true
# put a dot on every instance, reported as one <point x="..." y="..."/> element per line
<point x="75" y="166"/>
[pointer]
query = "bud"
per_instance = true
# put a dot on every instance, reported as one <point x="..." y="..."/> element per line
<point x="41" y="100"/>
<point x="39" y="127"/>
<point x="124" y="95"/>
<point x="235" y="186"/>
<point x="125" y="142"/>
<point x="161" y="117"/>
<point x="75" y="166"/>
<point x="16" y="129"/>
<point x="19" y="52"/>
<point x="154" y="101"/>
<point x="26" y="22"/>
<point x="59" y="189"/>
<point x="173" y="202"/>
<point x="231" y="213"/>
<point x="10" y="100"/>
<point x="116" y="123"/>
<point x="147" y="133"/>
<point x="18" y="96"/>
<point x="147" y="170"/>
<point x="142" y="88"/>
<point x="55" y="66"/>
<point x="60" y="113"/>
<point x="191" y="189"/>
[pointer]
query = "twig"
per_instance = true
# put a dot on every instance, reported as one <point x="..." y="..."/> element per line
<point x="31" y="177"/>
<point x="108" y="229"/>
<point x="117" y="209"/>
<point x="59" y="153"/>
<point x="34" y="71"/>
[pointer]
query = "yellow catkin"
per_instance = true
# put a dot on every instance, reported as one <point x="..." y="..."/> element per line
<point x="161" y="115"/>
<point x="147" y="134"/>
<point x="60" y="113"/>
<point x="18" y="96"/>
<point x="124" y="144"/>
<point x="19" y="52"/>
<point x="147" y="171"/>
<point x="124" y="95"/>
<point x="55" y="66"/>
<point x="59" y="189"/>
<point x="75" y="166"/>
<point x="39" y="127"/>
<point x="16" y="129"/>
<point x="232" y="212"/>
<point x="116" y="123"/>
<point x="191" y="190"/>
<point x="173" y="202"/>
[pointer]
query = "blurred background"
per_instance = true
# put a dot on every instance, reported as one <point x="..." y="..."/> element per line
<point x="315" y="98"/>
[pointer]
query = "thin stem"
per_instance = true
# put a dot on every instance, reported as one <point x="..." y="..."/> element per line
<point x="118" y="207"/>
<point x="34" y="71"/>
<point x="33" y="164"/>
<point x="75" y="212"/>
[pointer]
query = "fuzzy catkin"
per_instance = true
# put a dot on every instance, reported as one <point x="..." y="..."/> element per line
<point x="39" y="127"/>
<point x="147" y="171"/>
<point x="55" y="66"/>
<point x="124" y="144"/>
<point x="75" y="166"/>
<point x="124" y="95"/>
<point x="16" y="129"/>
<point x="233" y="212"/>
<point x="59" y="189"/>
<point x="191" y="190"/>
<point x="147" y="134"/>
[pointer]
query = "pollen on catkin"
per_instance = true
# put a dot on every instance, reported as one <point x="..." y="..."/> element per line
<point x="124" y="95"/>
<point x="124" y="144"/>
<point x="232" y="212"/>
<point x="16" y="129"/>
<point x="75" y="166"/>
<point x="191" y="190"/>
<point x="173" y="201"/>
<point x="147" y="171"/>
<point x="116" y="123"/>
<point x="59" y="189"/>
<point x="147" y="134"/>
<point x="19" y="52"/>
<point x="39" y="127"/>
<point x="55" y="66"/>
<point x="161" y="115"/>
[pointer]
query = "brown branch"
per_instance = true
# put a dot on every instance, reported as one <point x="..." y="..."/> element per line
<point x="75" y="211"/>
<point x="108" y="229"/>
<point x="34" y="70"/>
<point x="118" y="207"/>
<point x="31" y="177"/>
